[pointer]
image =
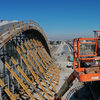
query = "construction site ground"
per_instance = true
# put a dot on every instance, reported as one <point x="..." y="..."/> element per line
<point x="78" y="90"/>
<point x="62" y="62"/>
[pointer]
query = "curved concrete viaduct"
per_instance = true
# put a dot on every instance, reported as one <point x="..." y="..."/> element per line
<point x="27" y="70"/>
<point x="16" y="27"/>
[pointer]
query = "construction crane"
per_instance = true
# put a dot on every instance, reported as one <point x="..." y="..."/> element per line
<point x="86" y="66"/>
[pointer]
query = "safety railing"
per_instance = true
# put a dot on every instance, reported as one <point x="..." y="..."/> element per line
<point x="14" y="28"/>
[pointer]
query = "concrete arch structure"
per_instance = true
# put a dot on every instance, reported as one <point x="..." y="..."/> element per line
<point x="15" y="28"/>
<point x="26" y="65"/>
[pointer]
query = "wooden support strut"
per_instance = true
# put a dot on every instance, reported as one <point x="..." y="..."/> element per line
<point x="33" y="73"/>
<point x="37" y="55"/>
<point x="56" y="70"/>
<point x="10" y="33"/>
<point x="24" y="25"/>
<point x="50" y="60"/>
<point x="19" y="81"/>
<point x="15" y="29"/>
<point x="46" y="53"/>
<point x="43" y="61"/>
<point x="51" y="71"/>
<point x="25" y="76"/>
<point x="11" y="96"/>
<point x="37" y="69"/>
<point x="40" y="67"/>
<point x="47" y="60"/>
<point x="19" y="25"/>
<point x="47" y="56"/>
<point x="27" y="24"/>
<point x="43" y="50"/>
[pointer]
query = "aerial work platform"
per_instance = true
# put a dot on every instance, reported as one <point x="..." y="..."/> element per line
<point x="86" y="53"/>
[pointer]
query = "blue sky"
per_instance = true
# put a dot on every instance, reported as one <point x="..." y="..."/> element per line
<point x="60" y="19"/>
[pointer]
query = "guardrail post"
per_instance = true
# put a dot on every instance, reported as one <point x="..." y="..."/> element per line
<point x="27" y="24"/>
<point x="15" y="30"/>
<point x="24" y="25"/>
<point x="10" y="35"/>
<point x="25" y="76"/>
<point x="19" y="26"/>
